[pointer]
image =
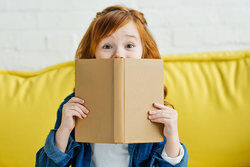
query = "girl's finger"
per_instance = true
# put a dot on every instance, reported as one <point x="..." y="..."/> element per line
<point x="160" y="106"/>
<point x="75" y="107"/>
<point x="76" y="100"/>
<point x="159" y="111"/>
<point x="75" y="113"/>
<point x="83" y="108"/>
<point x="160" y="115"/>
<point x="159" y="120"/>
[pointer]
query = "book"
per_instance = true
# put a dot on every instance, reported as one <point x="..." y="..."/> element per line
<point x="119" y="92"/>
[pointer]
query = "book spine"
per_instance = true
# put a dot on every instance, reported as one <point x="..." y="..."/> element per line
<point x="119" y="115"/>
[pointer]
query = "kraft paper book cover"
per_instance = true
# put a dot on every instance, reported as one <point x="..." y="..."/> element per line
<point x="118" y="93"/>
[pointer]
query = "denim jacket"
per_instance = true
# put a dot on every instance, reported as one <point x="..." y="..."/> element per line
<point x="80" y="154"/>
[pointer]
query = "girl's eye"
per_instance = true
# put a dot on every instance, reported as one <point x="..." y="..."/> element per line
<point x="130" y="45"/>
<point x="106" y="45"/>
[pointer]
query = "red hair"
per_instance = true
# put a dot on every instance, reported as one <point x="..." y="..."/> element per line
<point x="106" y="23"/>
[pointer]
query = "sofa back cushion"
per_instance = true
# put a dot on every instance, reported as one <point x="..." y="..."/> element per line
<point x="209" y="90"/>
<point x="28" y="107"/>
<point x="211" y="93"/>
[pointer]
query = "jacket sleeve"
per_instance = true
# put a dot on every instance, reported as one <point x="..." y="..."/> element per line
<point x="171" y="160"/>
<point x="49" y="155"/>
<point x="157" y="160"/>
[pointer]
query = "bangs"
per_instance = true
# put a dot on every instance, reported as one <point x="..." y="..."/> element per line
<point x="109" y="23"/>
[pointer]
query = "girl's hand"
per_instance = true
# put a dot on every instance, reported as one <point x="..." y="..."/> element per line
<point x="167" y="116"/>
<point x="73" y="108"/>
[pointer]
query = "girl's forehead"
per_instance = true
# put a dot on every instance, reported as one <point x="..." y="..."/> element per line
<point x="129" y="30"/>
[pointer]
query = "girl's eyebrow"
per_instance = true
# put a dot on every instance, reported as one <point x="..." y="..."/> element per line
<point x="128" y="35"/>
<point x="131" y="36"/>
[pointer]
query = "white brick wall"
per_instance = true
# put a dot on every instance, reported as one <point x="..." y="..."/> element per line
<point x="35" y="34"/>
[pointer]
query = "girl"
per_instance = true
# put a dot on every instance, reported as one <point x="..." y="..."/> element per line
<point x="116" y="32"/>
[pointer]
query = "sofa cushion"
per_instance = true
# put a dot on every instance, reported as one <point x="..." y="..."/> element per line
<point x="209" y="90"/>
<point x="211" y="93"/>
<point x="28" y="107"/>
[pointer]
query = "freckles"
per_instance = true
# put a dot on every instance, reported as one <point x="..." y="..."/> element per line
<point x="105" y="55"/>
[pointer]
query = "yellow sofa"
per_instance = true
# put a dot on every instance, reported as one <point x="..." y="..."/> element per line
<point x="210" y="91"/>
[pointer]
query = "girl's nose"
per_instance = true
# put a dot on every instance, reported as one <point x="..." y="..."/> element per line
<point x="118" y="54"/>
<point x="118" y="57"/>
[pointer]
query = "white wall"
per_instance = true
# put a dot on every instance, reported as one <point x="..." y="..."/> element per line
<point x="36" y="34"/>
